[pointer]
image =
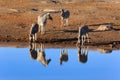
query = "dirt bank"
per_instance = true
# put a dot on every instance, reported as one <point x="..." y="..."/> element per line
<point x="17" y="16"/>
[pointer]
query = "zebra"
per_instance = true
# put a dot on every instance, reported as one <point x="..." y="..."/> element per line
<point x="33" y="32"/>
<point x="63" y="55"/>
<point x="42" y="20"/>
<point x="41" y="56"/>
<point x="83" y="34"/>
<point x="65" y="14"/>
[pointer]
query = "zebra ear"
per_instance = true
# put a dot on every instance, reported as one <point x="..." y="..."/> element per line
<point x="62" y="10"/>
<point x="50" y="18"/>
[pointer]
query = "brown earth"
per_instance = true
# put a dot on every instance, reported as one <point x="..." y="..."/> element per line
<point x="16" y="17"/>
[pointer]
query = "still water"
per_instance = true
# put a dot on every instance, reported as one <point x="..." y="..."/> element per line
<point x="17" y="64"/>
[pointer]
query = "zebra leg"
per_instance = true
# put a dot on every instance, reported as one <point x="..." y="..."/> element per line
<point x="86" y="50"/>
<point x="87" y="37"/>
<point x="61" y="52"/>
<point x="35" y="36"/>
<point x="67" y="22"/>
<point x="31" y="38"/>
<point x="82" y="40"/>
<point x="66" y="51"/>
<point x="34" y="46"/>
<point x="79" y="39"/>
<point x="41" y="48"/>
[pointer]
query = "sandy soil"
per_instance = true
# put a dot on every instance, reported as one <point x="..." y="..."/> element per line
<point x="16" y="17"/>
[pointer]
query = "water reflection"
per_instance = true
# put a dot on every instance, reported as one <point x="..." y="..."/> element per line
<point x="39" y="54"/>
<point x="106" y="51"/>
<point x="63" y="55"/>
<point x="82" y="53"/>
<point x="33" y="51"/>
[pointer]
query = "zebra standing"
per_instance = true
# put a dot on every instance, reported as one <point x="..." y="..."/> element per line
<point x="83" y="34"/>
<point x="33" y="32"/>
<point x="65" y="14"/>
<point x="42" y="20"/>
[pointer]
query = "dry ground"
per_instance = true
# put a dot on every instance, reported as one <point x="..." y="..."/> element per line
<point x="16" y="17"/>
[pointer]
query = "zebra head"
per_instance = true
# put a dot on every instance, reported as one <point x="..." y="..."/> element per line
<point x="62" y="10"/>
<point x="49" y="16"/>
<point x="33" y="54"/>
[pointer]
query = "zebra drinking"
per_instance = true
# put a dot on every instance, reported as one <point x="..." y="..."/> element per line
<point x="83" y="34"/>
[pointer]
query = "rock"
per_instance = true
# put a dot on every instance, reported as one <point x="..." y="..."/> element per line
<point x="105" y="27"/>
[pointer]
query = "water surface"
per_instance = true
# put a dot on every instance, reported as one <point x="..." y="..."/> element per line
<point x="16" y="64"/>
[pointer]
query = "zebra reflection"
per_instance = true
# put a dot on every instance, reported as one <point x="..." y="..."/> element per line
<point x="42" y="20"/>
<point x="33" y="51"/>
<point x="42" y="56"/>
<point x="82" y="54"/>
<point x="63" y="55"/>
<point x="39" y="54"/>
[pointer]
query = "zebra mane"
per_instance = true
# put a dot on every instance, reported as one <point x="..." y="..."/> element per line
<point x="45" y="14"/>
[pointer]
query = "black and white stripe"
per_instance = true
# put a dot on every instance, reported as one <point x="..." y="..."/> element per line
<point x="65" y="14"/>
<point x="42" y="21"/>
<point x="83" y="34"/>
<point x="33" y="32"/>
